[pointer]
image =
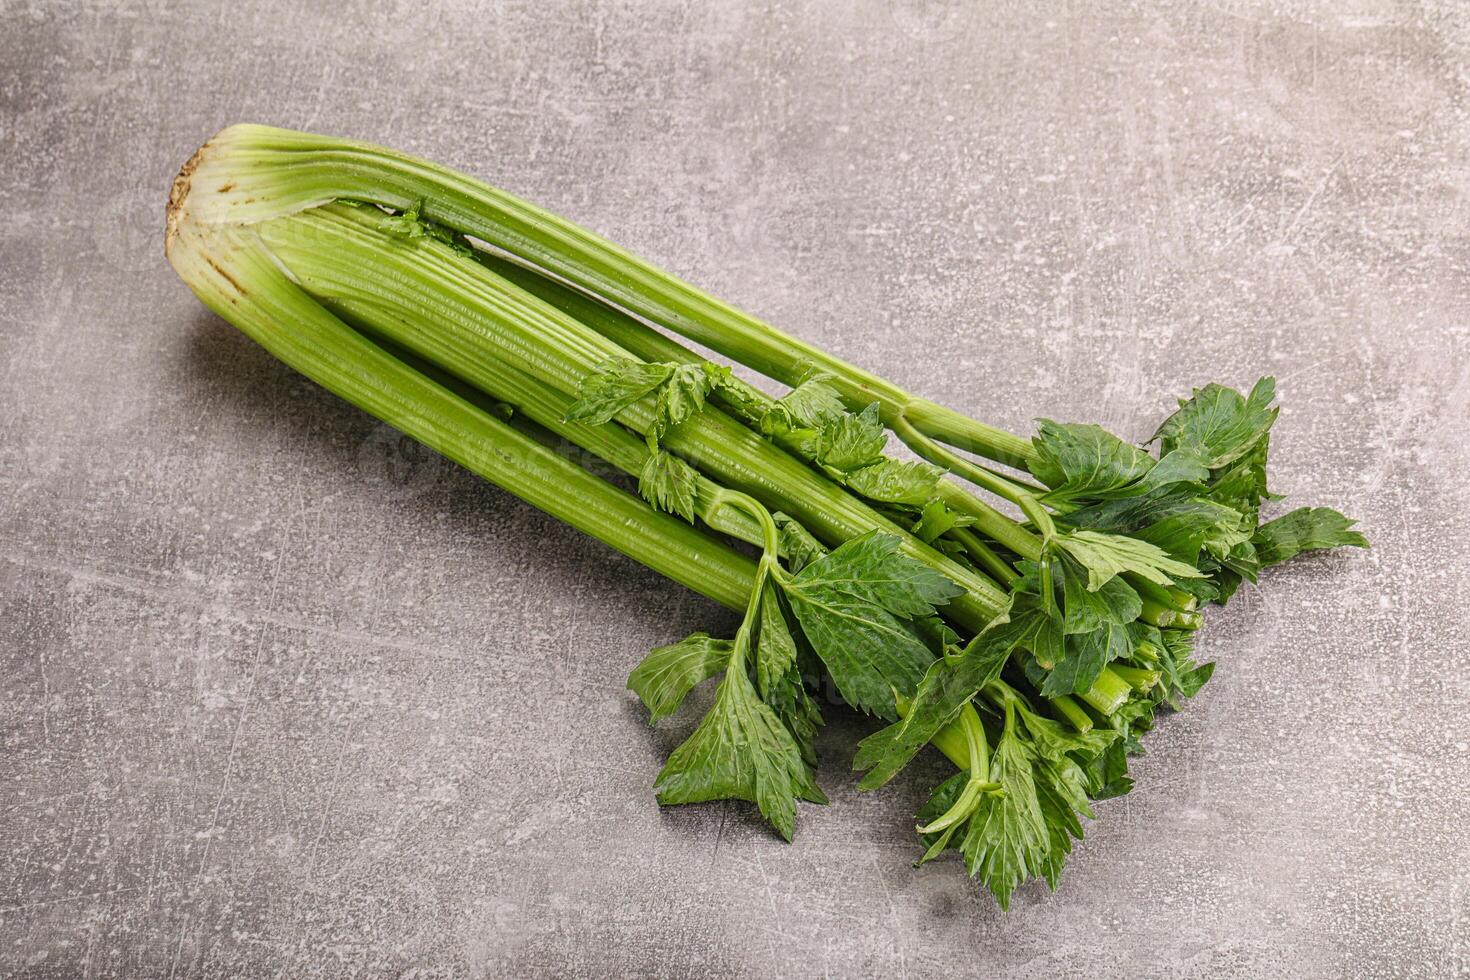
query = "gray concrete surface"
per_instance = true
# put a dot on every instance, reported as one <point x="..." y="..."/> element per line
<point x="282" y="697"/>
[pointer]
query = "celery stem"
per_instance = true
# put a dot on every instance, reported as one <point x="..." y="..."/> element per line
<point x="955" y="463"/>
<point x="243" y="284"/>
<point x="967" y="434"/>
<point x="985" y="556"/>
<point x="1072" y="711"/>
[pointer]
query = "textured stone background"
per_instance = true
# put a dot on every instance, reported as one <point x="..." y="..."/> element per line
<point x="284" y="697"/>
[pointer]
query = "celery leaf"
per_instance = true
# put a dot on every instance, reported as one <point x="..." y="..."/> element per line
<point x="778" y="677"/>
<point x="948" y="684"/>
<point x="1084" y="656"/>
<point x="872" y="567"/>
<point x="1304" y="529"/>
<point x="852" y="440"/>
<point x="937" y="519"/>
<point x="683" y="394"/>
<point x="741" y="751"/>
<point x="1105" y="555"/>
<point x="670" y="484"/>
<point x="1086" y="609"/>
<point x="813" y="403"/>
<point x="612" y="386"/>
<point x="1085" y="460"/>
<point x="1006" y="841"/>
<point x="852" y="605"/>
<point x="1178" y="518"/>
<point x="1220" y="422"/>
<point x="670" y="672"/>
<point x="892" y="481"/>
<point x="796" y="543"/>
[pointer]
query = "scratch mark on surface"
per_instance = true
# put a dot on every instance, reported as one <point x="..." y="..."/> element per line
<point x="1285" y="237"/>
<point x="321" y="828"/>
<point x="239" y="725"/>
<point x="70" y="898"/>
<point x="244" y="616"/>
<point x="1306" y="369"/>
<point x="760" y="865"/>
<point x="719" y="836"/>
<point x="230" y="758"/>
<point x="892" y="914"/>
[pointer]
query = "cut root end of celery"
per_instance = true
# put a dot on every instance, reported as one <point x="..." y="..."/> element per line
<point x="1166" y="617"/>
<point x="1139" y="679"/>
<point x="1108" y="692"/>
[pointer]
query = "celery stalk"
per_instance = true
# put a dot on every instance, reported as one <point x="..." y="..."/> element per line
<point x="243" y="284"/>
<point x="293" y="170"/>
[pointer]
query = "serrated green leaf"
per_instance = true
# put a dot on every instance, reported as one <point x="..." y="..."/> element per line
<point x="1083" y="463"/>
<point x="1045" y="643"/>
<point x="1086" y="609"/>
<point x="1242" y="484"/>
<point x="1186" y="464"/>
<point x="1085" y="460"/>
<point x="778" y="426"/>
<point x="670" y="672"/>
<point x="1006" y="840"/>
<point x="1190" y="681"/>
<point x="1059" y="788"/>
<point x="1182" y="677"/>
<point x="775" y="648"/>
<point x="778" y="678"/>
<point x="1219" y="422"/>
<point x="939" y="803"/>
<point x="813" y="403"/>
<point x="1135" y="716"/>
<point x="1107" y="775"/>
<point x="1241" y="560"/>
<point x="1304" y="529"/>
<point x="1226" y="581"/>
<point x="948" y="684"/>
<point x="1178" y="518"/>
<point x="852" y="441"/>
<point x="741" y="751"/>
<point x="851" y="605"/>
<point x="1086" y="654"/>
<point x="1055" y="741"/>
<point x="790" y="701"/>
<point x="1106" y="555"/>
<point x="872" y="568"/>
<point x="683" y="394"/>
<point x="867" y="651"/>
<point x="796" y="543"/>
<point x="812" y="422"/>
<point x="670" y="484"/>
<point x="1055" y="816"/>
<point x="891" y="481"/>
<point x="1202" y="589"/>
<point x="937" y="519"/>
<point x="612" y="386"/>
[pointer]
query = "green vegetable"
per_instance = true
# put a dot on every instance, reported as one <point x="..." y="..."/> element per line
<point x="1031" y="652"/>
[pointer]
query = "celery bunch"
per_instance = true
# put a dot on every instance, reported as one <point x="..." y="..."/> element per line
<point x="1031" y="652"/>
